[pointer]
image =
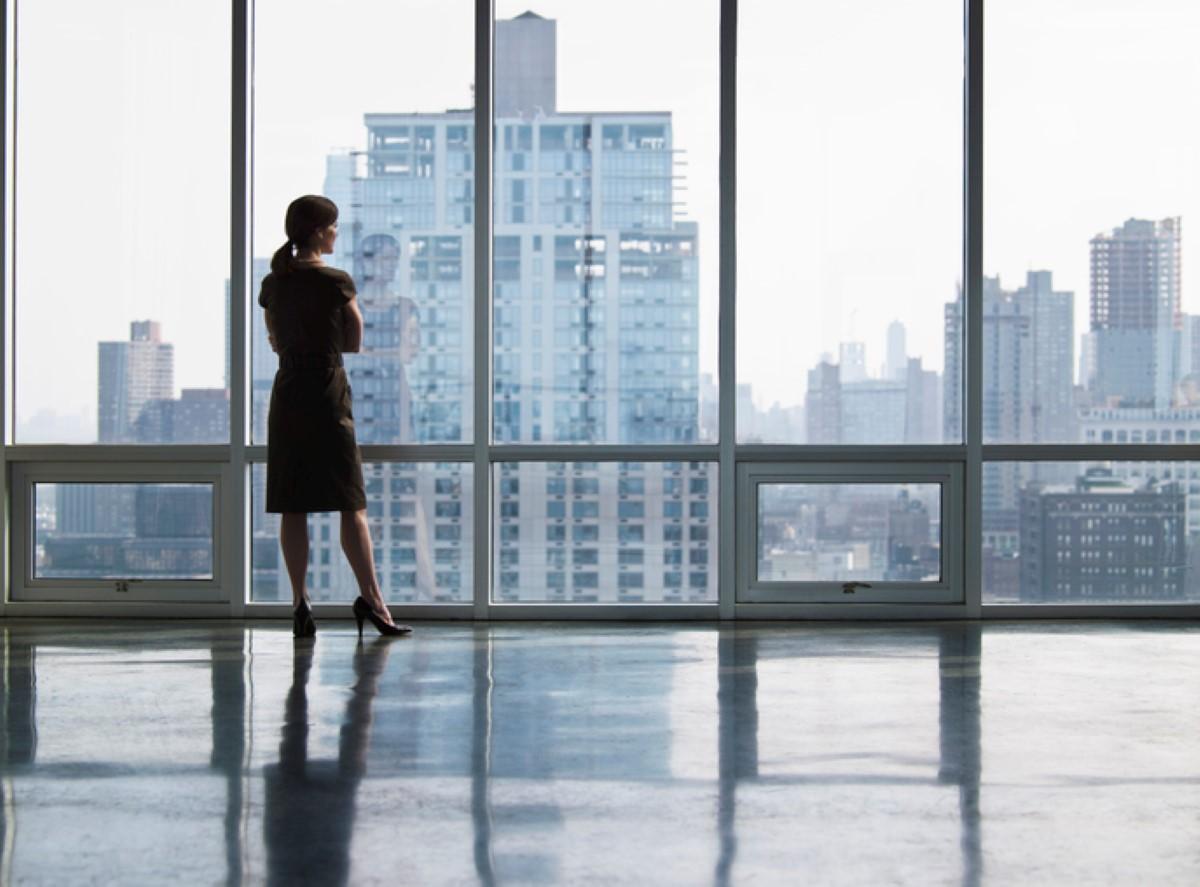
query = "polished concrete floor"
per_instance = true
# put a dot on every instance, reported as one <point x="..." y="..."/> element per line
<point x="208" y="753"/>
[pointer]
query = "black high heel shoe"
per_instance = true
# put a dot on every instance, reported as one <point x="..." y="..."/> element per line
<point x="303" y="625"/>
<point x="363" y="611"/>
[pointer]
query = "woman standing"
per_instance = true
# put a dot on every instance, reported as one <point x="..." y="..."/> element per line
<point x="313" y="462"/>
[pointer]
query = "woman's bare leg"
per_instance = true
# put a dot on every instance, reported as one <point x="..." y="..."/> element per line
<point x="356" y="543"/>
<point x="293" y="539"/>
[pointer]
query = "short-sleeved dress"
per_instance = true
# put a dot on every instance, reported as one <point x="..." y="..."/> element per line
<point x="313" y="462"/>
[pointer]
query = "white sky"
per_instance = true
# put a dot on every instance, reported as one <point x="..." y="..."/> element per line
<point x="849" y="153"/>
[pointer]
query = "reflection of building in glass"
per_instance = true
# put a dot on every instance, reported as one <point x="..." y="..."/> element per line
<point x="1135" y="313"/>
<point x="595" y="323"/>
<point x="1102" y="540"/>
<point x="131" y="374"/>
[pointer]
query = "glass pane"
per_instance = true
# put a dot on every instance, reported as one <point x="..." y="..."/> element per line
<point x="1101" y="330"/>
<point x="123" y="531"/>
<point x="818" y="532"/>
<point x="122" y="222"/>
<point x="420" y="519"/>
<point x="605" y="532"/>
<point x="849" y="221"/>
<point x="1091" y="532"/>
<point x="605" y="213"/>
<point x="403" y="184"/>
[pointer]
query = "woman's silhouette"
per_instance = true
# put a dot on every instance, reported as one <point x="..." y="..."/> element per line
<point x="313" y="463"/>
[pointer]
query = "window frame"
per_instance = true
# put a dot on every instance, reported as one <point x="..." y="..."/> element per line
<point x="949" y="589"/>
<point x="27" y="587"/>
<point x="229" y="465"/>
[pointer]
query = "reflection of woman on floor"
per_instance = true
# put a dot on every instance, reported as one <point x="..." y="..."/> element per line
<point x="309" y="815"/>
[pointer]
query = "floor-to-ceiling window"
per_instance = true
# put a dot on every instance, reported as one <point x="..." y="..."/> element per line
<point x="1089" y="331"/>
<point x="739" y="311"/>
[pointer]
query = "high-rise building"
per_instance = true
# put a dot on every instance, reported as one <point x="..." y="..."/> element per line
<point x="1189" y="346"/>
<point x="852" y="358"/>
<point x="923" y="403"/>
<point x="1135" y="312"/>
<point x="897" y="352"/>
<point x="874" y="411"/>
<point x="1028" y="395"/>
<point x="132" y="373"/>
<point x="595" y="340"/>
<point x="1102" y="540"/>
<point x="823" y="404"/>
<point x="953" y="377"/>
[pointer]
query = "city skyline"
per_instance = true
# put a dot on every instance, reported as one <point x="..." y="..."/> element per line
<point x="1042" y="205"/>
<point x="603" y="288"/>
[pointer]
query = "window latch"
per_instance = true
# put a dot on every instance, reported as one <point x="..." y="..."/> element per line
<point x="848" y="587"/>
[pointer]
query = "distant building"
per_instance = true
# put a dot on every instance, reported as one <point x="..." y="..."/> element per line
<point x="199" y="415"/>
<point x="823" y="404"/>
<point x="897" y="352"/>
<point x="1175" y="425"/>
<point x="874" y="411"/>
<point x="131" y="374"/>
<point x="1102" y="540"/>
<point x="595" y="339"/>
<point x="852" y="358"/>
<point x="1028" y="392"/>
<point x="1136" y="316"/>
<point x="923" y="404"/>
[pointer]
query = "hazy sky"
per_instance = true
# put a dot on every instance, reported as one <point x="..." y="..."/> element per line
<point x="849" y="175"/>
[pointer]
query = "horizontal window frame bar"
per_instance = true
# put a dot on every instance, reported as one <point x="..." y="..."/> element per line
<point x="622" y="612"/>
<point x="747" y="611"/>
<point x="211" y="454"/>
<point x="603" y="453"/>
<point x="456" y="611"/>
<point x="857" y="453"/>
<point x="995" y="614"/>
<point x="1087" y="612"/>
<point x="798" y="453"/>
<point x="1091" y="453"/>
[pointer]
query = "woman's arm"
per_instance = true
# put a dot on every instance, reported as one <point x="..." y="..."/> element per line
<point x="270" y="331"/>
<point x="352" y="327"/>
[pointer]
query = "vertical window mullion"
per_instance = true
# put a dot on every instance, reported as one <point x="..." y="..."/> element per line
<point x="233" y="540"/>
<point x="482" y="490"/>
<point x="973" y="294"/>
<point x="726" y="335"/>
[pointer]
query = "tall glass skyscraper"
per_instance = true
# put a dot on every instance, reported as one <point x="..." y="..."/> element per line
<point x="595" y="319"/>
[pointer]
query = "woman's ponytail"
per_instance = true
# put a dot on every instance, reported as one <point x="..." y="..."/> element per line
<point x="305" y="216"/>
<point x="281" y="262"/>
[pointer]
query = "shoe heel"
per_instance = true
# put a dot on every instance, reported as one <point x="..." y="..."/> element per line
<point x="358" y="618"/>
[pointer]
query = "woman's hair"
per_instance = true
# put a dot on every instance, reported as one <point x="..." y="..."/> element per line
<point x="305" y="217"/>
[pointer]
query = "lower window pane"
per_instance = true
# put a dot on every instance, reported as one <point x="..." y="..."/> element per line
<point x="123" y="531"/>
<point x="605" y="532"/>
<point x="1090" y="532"/>
<point x="420" y="519"/>
<point x="884" y="532"/>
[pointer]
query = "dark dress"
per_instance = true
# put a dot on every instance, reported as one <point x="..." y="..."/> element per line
<point x="313" y="463"/>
